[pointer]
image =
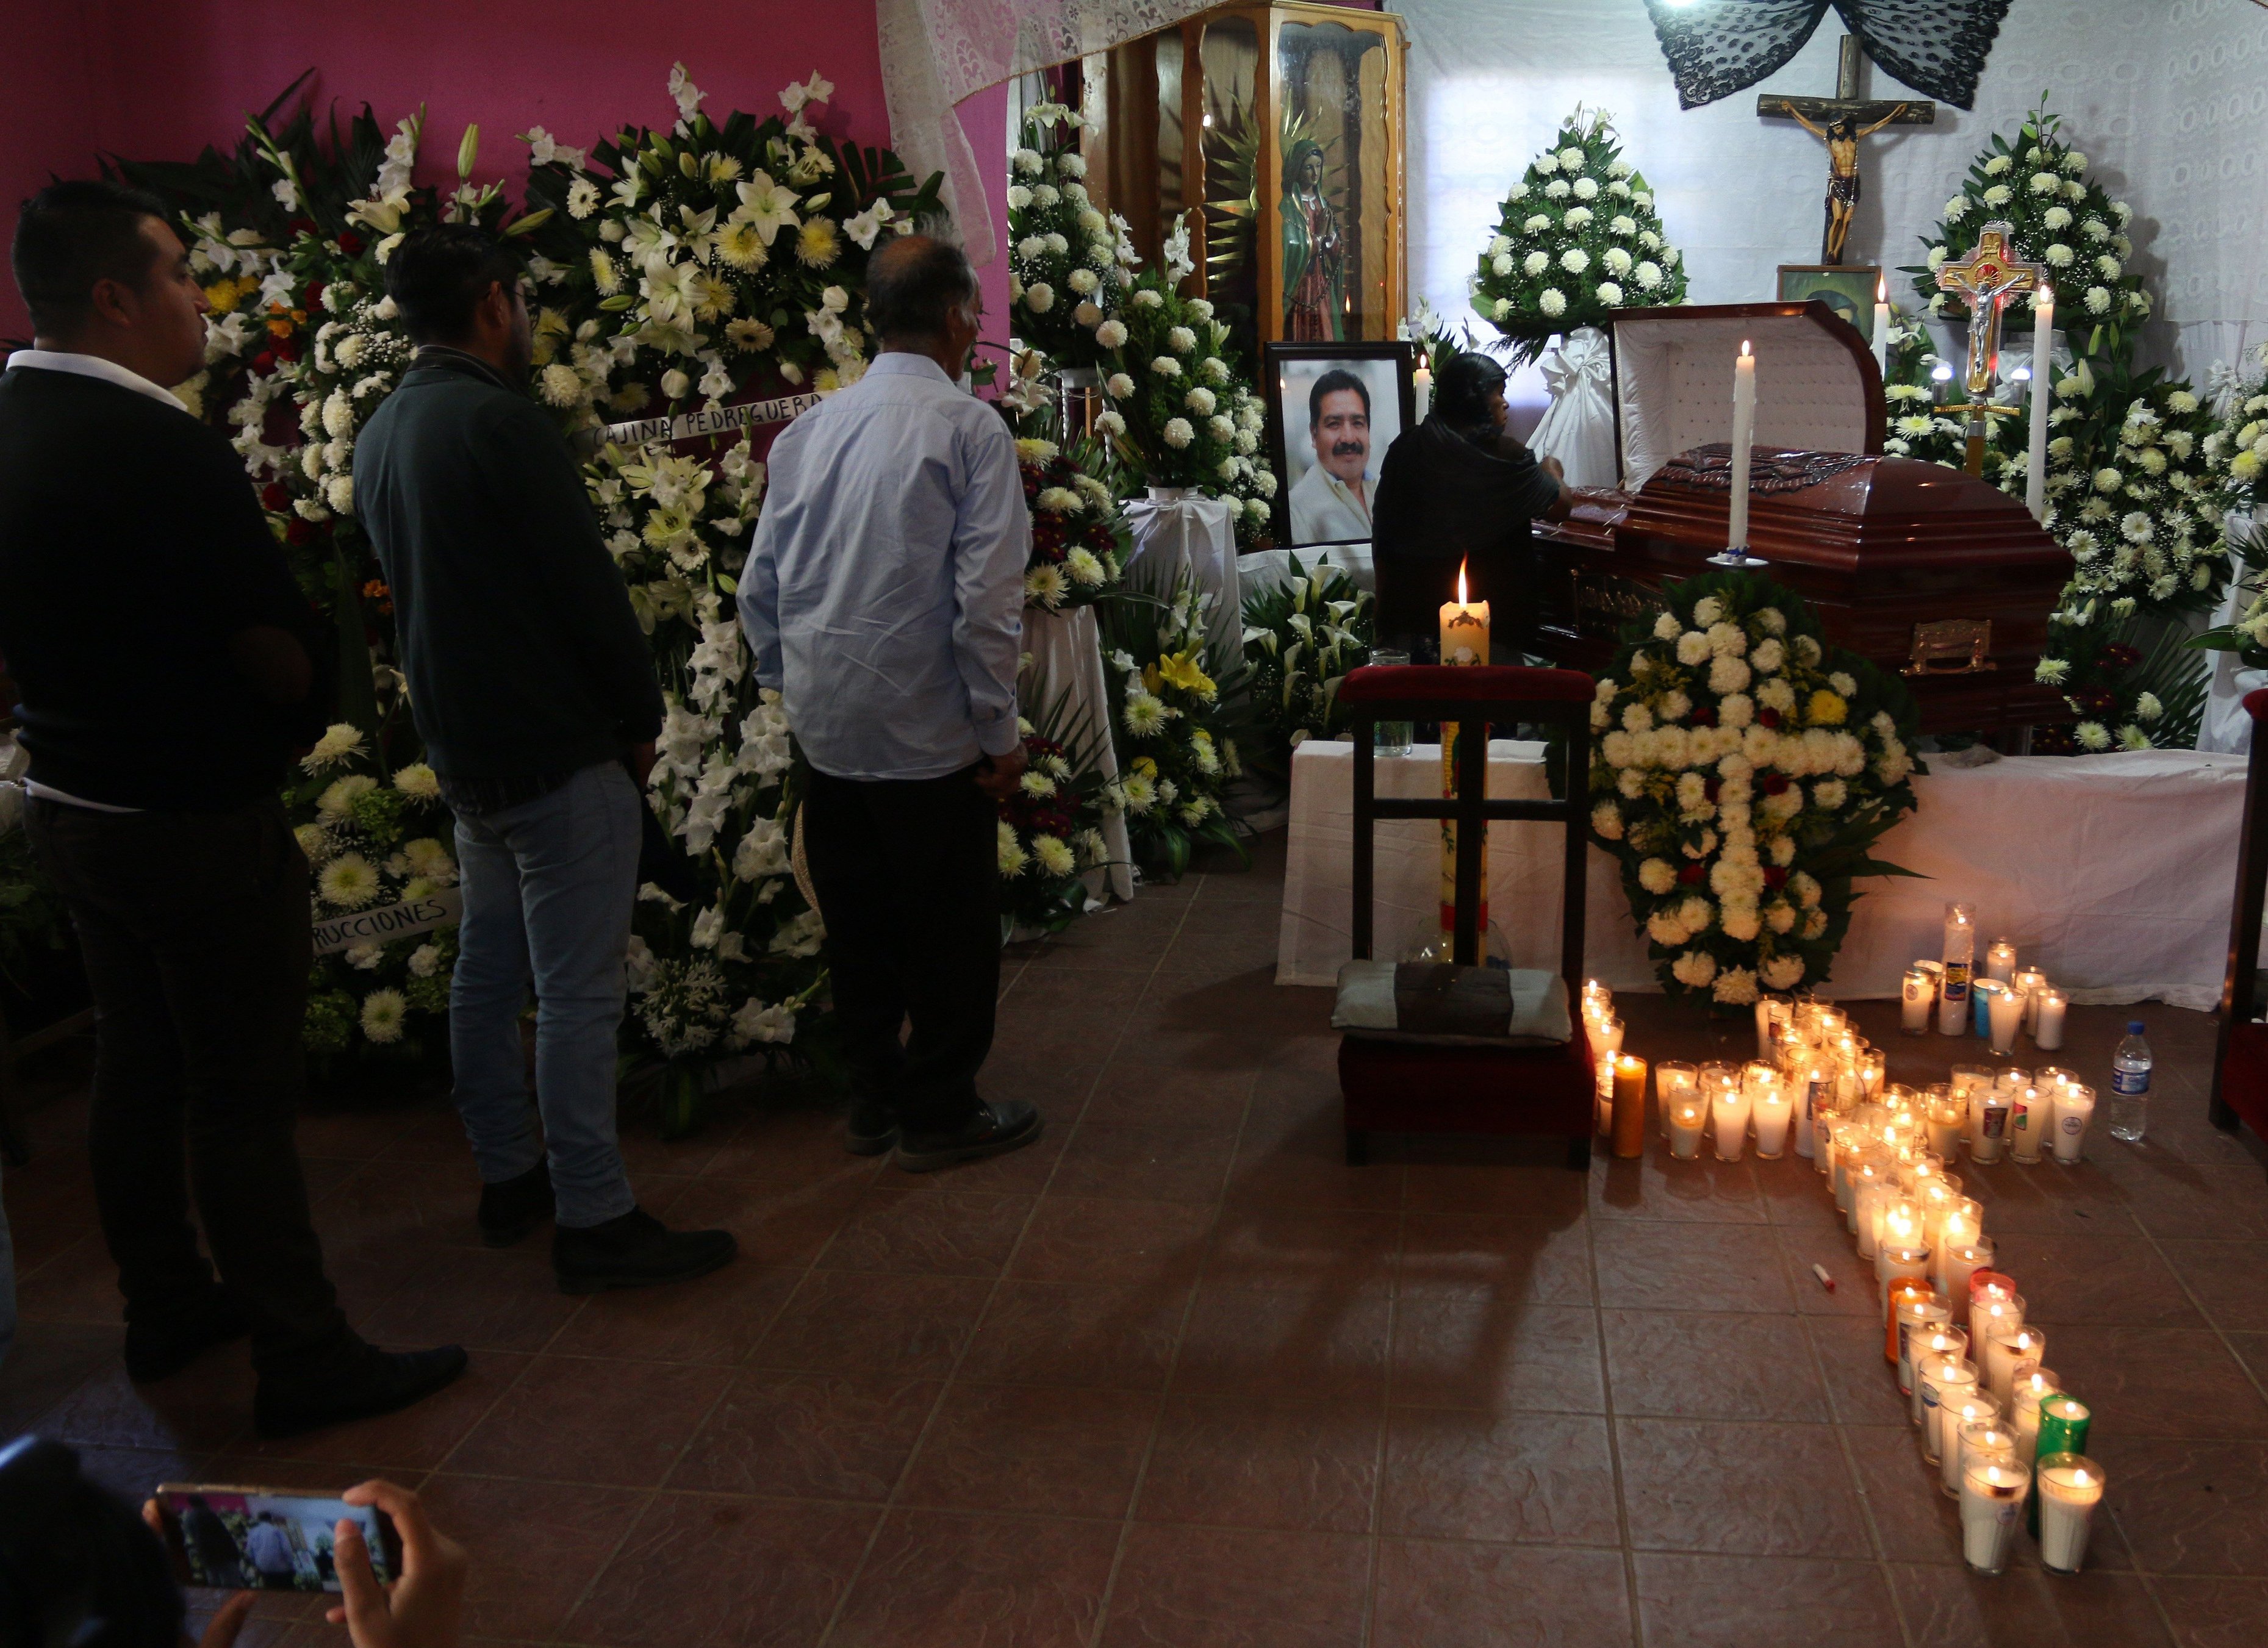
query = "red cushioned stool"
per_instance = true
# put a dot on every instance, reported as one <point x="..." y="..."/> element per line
<point x="2240" y="1063"/>
<point x="1467" y="1048"/>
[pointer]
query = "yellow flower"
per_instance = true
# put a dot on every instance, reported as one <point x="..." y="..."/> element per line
<point x="816" y="244"/>
<point x="279" y="326"/>
<point x="1827" y="709"/>
<point x="741" y="246"/>
<point x="222" y="297"/>
<point x="1180" y="669"/>
<point x="1146" y="767"/>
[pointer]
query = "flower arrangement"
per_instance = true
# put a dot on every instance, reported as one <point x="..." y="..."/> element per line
<point x="1050" y="829"/>
<point x="1175" y="752"/>
<point x="2237" y="448"/>
<point x="1189" y="416"/>
<point x="1742" y="772"/>
<point x="1300" y="639"/>
<point x="2036" y="181"/>
<point x="1069" y="263"/>
<point x="1076" y="547"/>
<point x="1577" y="237"/>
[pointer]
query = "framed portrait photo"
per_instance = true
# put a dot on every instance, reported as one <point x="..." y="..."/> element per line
<point x="1333" y="409"/>
<point x="1848" y="289"/>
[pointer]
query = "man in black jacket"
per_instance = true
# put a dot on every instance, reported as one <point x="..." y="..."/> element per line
<point x="169" y="667"/>
<point x="534" y="690"/>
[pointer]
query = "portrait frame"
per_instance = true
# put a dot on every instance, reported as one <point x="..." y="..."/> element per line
<point x="1290" y="369"/>
<point x="1840" y="286"/>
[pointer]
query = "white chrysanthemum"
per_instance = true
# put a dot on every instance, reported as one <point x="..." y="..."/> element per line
<point x="1649" y="276"/>
<point x="1110" y="334"/>
<point x="1657" y="876"/>
<point x="1536" y="263"/>
<point x="1607" y="821"/>
<point x="1736" y="987"/>
<point x="1694" y="968"/>
<point x="384" y="1014"/>
<point x="1693" y="649"/>
<point x="1617" y="261"/>
<point x="1045" y="587"/>
<point x="1119" y="387"/>
<point x="2093" y="736"/>
<point x="1609" y="294"/>
<point x="1665" y="627"/>
<point x="1728" y="675"/>
<point x="1575" y="259"/>
<point x="1177" y="432"/>
<point x="1164" y="366"/>
<point x="1012" y="856"/>
<point x="1199" y="401"/>
<point x="1180" y="340"/>
<point x="1551" y="301"/>
<point x="1055" y="855"/>
<point x="337" y="800"/>
<point x="349" y="881"/>
<point x="1579" y="217"/>
<point x="1556" y="190"/>
<point x="339" y="741"/>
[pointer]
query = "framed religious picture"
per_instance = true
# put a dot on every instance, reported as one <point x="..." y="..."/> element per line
<point x="1333" y="409"/>
<point x="1848" y="289"/>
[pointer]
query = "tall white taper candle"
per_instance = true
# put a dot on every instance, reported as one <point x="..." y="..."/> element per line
<point x="1744" y="431"/>
<point x="2035" y="469"/>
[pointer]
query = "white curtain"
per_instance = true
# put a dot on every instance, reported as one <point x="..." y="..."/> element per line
<point x="937" y="52"/>
<point x="2163" y="96"/>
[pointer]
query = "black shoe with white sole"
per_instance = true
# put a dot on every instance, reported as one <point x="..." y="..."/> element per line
<point x="995" y="1130"/>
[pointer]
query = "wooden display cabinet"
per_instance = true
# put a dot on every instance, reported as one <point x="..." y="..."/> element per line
<point x="1275" y="133"/>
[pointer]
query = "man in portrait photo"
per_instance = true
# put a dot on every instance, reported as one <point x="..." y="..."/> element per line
<point x="1330" y="503"/>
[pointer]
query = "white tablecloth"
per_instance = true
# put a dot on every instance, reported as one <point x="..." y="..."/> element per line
<point x="1068" y="698"/>
<point x="2112" y="874"/>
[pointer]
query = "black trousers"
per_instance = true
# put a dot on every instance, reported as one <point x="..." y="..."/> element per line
<point x="194" y="930"/>
<point x="907" y="874"/>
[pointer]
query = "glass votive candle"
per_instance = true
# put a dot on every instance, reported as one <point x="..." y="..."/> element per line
<point x="1926" y="1352"/>
<point x="1956" y="1263"/>
<point x="1986" y="1438"/>
<point x="1772" y="1015"/>
<point x="1606" y="1037"/>
<point x="1674" y="1082"/>
<point x="1999" y="960"/>
<point x="2005" y="1013"/>
<point x="1896" y="1261"/>
<point x="1873" y="1070"/>
<point x="1960" y="1228"/>
<point x="1938" y="1196"/>
<point x="1992" y="1504"/>
<point x="2070" y="1486"/>
<point x="1870" y="1183"/>
<point x="2033" y="1386"/>
<point x="1728" y="1118"/>
<point x="1944" y="1381"/>
<point x="1686" y="1118"/>
<point x="2011" y="1078"/>
<point x="1850" y="1141"/>
<point x="1964" y="1080"/>
<point x="1897" y="1219"/>
<point x="1771" y="1110"/>
<point x="2048" y="1006"/>
<point x="1944" y="1115"/>
<point x="2009" y="1353"/>
<point x="1991" y="1309"/>
<point x="1968" y="1408"/>
<point x="1917" y="999"/>
<point x="2028" y="983"/>
<point x="2027" y="1125"/>
<point x="1990" y="1107"/>
<point x="1912" y="1320"/>
<point x="2070" y="1112"/>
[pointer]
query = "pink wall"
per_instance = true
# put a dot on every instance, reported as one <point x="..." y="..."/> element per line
<point x="157" y="80"/>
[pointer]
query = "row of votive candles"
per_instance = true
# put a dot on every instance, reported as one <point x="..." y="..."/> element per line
<point x="2004" y="1000"/>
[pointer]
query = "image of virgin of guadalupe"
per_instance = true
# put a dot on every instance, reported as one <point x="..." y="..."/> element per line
<point x="1314" y="253"/>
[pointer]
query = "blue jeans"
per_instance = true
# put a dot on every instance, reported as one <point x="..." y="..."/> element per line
<point x="548" y="887"/>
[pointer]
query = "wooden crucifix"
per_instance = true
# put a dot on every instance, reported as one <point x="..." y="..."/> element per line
<point x="1986" y="280"/>
<point x="1841" y="121"/>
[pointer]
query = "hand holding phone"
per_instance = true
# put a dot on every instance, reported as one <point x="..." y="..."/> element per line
<point x="422" y="1608"/>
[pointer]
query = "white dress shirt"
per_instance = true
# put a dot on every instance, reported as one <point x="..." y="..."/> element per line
<point x="1326" y="510"/>
<point x="125" y="378"/>
<point x="884" y="593"/>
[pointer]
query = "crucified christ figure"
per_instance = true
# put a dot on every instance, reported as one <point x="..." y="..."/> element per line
<point x="1841" y="135"/>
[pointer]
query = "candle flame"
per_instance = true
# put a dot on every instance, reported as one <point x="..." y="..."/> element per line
<point x="2079" y="1479"/>
<point x="1881" y="289"/>
<point x="1744" y="346"/>
<point x="1460" y="583"/>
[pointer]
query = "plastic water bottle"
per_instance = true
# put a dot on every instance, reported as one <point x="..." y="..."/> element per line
<point x="2130" y="1087"/>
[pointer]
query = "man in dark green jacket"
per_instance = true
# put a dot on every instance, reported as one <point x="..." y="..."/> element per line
<point x="534" y="690"/>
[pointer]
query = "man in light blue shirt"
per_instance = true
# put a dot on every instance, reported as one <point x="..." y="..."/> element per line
<point x="884" y="597"/>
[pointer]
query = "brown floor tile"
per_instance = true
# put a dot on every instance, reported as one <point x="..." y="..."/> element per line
<point x="2215" y="1612"/>
<point x="1528" y="1478"/>
<point x="2188" y="1507"/>
<point x="799" y="1147"/>
<point x="847" y="1323"/>
<point x="1143" y="1163"/>
<point x="484" y="1301"/>
<point x="1658" y="1186"/>
<point x="133" y="1473"/>
<point x="1855" y="1292"/>
<point x="1950" y="1608"/>
<point x="2151" y="1382"/>
<point x="1032" y="1449"/>
<point x="1862" y="1385"/>
<point x="79" y="1284"/>
<point x="717" y="1319"/>
<point x="1497" y="1357"/>
<point x="48" y="1362"/>
<point x="953" y="1232"/>
<point x="1696" y="1365"/>
<point x="1762" y="1602"/>
<point x="942" y="1579"/>
<point x="1758" y="1489"/>
<point x="198" y="1410"/>
<point x="2178" y="1202"/>
<point x="1531" y="1188"/>
<point x="1107" y="1337"/>
<point x="622" y="1424"/>
<point x="1443" y="1594"/>
<point x="1314" y="1346"/>
<point x="1687" y="1268"/>
<point x="1093" y="1238"/>
<point x="1795" y="1192"/>
<point x="417" y="1438"/>
<point x="817" y="1436"/>
<point x="1301" y="1162"/>
<point x="2105" y="1279"/>
<point x="2252" y="1350"/>
<point x="1215" y="1588"/>
<point x="698" y="1572"/>
<point x="1230" y="1462"/>
<point x="2229" y="1279"/>
<point x="1209" y="1102"/>
<point x="1301" y="1250"/>
<point x="1494" y="1256"/>
<point x="532" y="1546"/>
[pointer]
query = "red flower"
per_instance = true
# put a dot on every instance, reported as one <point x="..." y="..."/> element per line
<point x="300" y="226"/>
<point x="1775" y="783"/>
<point x="287" y="349"/>
<point x="1691" y="874"/>
<point x="1775" y="877"/>
<point x="350" y="243"/>
<point x="297" y="531"/>
<point x="314" y="293"/>
<point x="2118" y="655"/>
<point x="1768" y="717"/>
<point x="274" y="496"/>
<point x="1706" y="716"/>
<point x="264" y="362"/>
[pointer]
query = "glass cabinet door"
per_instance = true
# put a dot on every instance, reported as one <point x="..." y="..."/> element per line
<point x="1336" y="211"/>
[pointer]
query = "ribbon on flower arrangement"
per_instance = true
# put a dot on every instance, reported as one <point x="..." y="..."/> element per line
<point x="1578" y="427"/>
<point x="687" y="426"/>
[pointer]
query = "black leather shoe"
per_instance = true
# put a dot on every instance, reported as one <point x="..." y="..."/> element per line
<point x="512" y="1208"/>
<point x="372" y="1382"/>
<point x="635" y="1250"/>
<point x="159" y="1349"/>
<point x="995" y="1130"/>
<point x="870" y="1128"/>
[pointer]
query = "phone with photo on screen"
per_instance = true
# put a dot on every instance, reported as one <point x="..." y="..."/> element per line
<point x="268" y="1538"/>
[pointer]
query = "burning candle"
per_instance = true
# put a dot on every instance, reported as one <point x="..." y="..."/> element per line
<point x="1992" y="1306"/>
<point x="2050" y="1004"/>
<point x="2070" y="1486"/>
<point x="2009" y="1353"/>
<point x="1969" y="1407"/>
<point x="1987" y="1438"/>
<point x="1685" y="1120"/>
<point x="1944" y="1381"/>
<point x="1421" y="382"/>
<point x="1915" y="1000"/>
<point x="1945" y="1115"/>
<point x="1773" y="1109"/>
<point x="1925" y="1352"/>
<point x="2000" y="961"/>
<point x="1772" y="1013"/>
<point x="2005" y="1013"/>
<point x="1882" y="327"/>
<point x="2070" y="1112"/>
<point x="1744" y="432"/>
<point x="2033" y="1386"/>
<point x="1991" y="1110"/>
<point x="1958" y="1264"/>
<point x="1896" y="1261"/>
<point x="2028" y="1124"/>
<point x="1992" y="1504"/>
<point x="1959" y="951"/>
<point x="2035" y="469"/>
<point x="2029" y="982"/>
<point x="1729" y="1112"/>
<point x="1464" y="626"/>
<point x="1914" y="1316"/>
<point x="1674" y="1082"/>
<point x="1629" y="1106"/>
<point x="2064" y="1422"/>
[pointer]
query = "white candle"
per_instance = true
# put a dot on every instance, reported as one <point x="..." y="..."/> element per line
<point x="1674" y="1083"/>
<point x="2072" y="1108"/>
<point x="2034" y="1386"/>
<point x="1421" y="382"/>
<point x="2028" y="1124"/>
<point x="2048" y="1012"/>
<point x="1967" y="1408"/>
<point x="1945" y="1115"/>
<point x="1685" y="1130"/>
<point x="1930" y="1349"/>
<point x="1919" y="996"/>
<point x="1957" y="1262"/>
<point x="2035" y="471"/>
<point x="1992" y="1110"/>
<point x="1774" y="1109"/>
<point x="1959" y="951"/>
<point x="1944" y="1381"/>
<point x="1896" y="1261"/>
<point x="1744" y="430"/>
<point x="1991" y="1504"/>
<point x="1993" y="1309"/>
<point x="2000" y="961"/>
<point x="2070" y="1486"/>
<point x="2032" y="981"/>
<point x="1730" y="1109"/>
<point x="1881" y="327"/>
<point x="1917" y="1318"/>
<point x="2005" y="1353"/>
<point x="2005" y="1012"/>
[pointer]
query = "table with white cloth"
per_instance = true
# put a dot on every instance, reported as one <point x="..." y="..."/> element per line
<point x="2114" y="874"/>
<point x="1067" y="698"/>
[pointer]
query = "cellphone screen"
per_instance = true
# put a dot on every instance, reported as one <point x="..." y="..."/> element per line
<point x="255" y="1538"/>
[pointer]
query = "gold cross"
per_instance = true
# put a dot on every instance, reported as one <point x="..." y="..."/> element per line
<point x="1984" y="277"/>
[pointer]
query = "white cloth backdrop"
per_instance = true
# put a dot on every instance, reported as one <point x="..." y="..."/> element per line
<point x="2114" y="874"/>
<point x="1074" y="695"/>
<point x="2168" y="99"/>
<point x="1177" y="531"/>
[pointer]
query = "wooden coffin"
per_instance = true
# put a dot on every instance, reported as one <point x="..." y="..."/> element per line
<point x="1901" y="558"/>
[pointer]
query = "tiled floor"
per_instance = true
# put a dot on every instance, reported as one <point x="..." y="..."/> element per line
<point x="1176" y="1376"/>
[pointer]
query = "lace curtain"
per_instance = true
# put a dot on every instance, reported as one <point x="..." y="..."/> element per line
<point x="1934" y="46"/>
<point x="937" y="52"/>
